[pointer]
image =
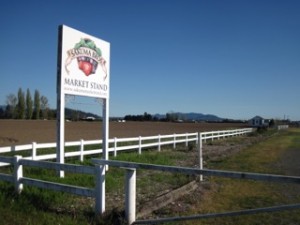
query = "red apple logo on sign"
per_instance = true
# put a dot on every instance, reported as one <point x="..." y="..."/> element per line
<point x="88" y="57"/>
<point x="85" y="66"/>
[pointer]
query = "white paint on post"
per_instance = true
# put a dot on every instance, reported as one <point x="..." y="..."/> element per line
<point x="33" y="150"/>
<point x="174" y="141"/>
<point x="186" y="140"/>
<point x="130" y="195"/>
<point x="100" y="189"/>
<point x="18" y="174"/>
<point x="200" y="154"/>
<point x="81" y="149"/>
<point x="105" y="130"/>
<point x="140" y="145"/>
<point x="158" y="147"/>
<point x="60" y="148"/>
<point x="115" y="146"/>
<point x="60" y="105"/>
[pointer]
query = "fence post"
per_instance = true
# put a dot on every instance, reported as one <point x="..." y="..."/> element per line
<point x="115" y="147"/>
<point x="81" y="149"/>
<point x="18" y="174"/>
<point x="158" y="147"/>
<point x="130" y="195"/>
<point x="200" y="154"/>
<point x="100" y="189"/>
<point x="33" y="155"/>
<point x="186" y="139"/>
<point x="174" y="141"/>
<point x="140" y="145"/>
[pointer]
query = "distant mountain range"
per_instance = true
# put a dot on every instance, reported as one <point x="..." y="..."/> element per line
<point x="193" y="116"/>
<point x="73" y="114"/>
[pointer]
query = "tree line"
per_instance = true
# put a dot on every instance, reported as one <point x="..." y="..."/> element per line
<point x="23" y="106"/>
<point x="169" y="117"/>
<point x="144" y="117"/>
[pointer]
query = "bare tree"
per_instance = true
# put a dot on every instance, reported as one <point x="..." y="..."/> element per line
<point x="44" y="106"/>
<point x="11" y="101"/>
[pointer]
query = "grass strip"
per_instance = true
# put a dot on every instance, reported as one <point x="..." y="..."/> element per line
<point x="226" y="195"/>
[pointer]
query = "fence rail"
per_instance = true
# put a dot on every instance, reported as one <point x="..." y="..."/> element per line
<point x="130" y="193"/>
<point x="116" y="144"/>
<point x="19" y="180"/>
<point x="282" y="127"/>
<point x="120" y="144"/>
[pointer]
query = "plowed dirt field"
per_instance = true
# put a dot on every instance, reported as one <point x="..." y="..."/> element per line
<point x="17" y="132"/>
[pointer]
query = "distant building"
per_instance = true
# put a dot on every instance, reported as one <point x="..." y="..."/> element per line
<point x="258" y="121"/>
<point x="90" y="118"/>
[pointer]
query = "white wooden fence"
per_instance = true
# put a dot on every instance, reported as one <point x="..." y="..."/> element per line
<point x="130" y="181"/>
<point x="119" y="144"/>
<point x="282" y="127"/>
<point x="17" y="176"/>
<point x="99" y="170"/>
<point x="130" y="189"/>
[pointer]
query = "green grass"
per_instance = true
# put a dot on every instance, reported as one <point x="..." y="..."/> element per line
<point x="38" y="206"/>
<point x="233" y="195"/>
<point x="257" y="157"/>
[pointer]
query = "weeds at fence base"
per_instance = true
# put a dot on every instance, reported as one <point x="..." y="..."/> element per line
<point x="11" y="202"/>
<point x="115" y="217"/>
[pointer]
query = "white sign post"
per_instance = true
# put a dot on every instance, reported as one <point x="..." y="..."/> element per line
<point x="84" y="70"/>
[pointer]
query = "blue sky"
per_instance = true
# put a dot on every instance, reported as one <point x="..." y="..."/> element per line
<point x="234" y="59"/>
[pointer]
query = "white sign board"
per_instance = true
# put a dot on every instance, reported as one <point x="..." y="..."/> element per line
<point x="83" y="69"/>
<point x="85" y="63"/>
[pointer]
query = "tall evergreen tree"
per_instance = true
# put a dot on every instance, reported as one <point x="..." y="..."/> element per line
<point x="29" y="105"/>
<point x="37" y="105"/>
<point x="2" y="113"/>
<point x="21" y="104"/>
